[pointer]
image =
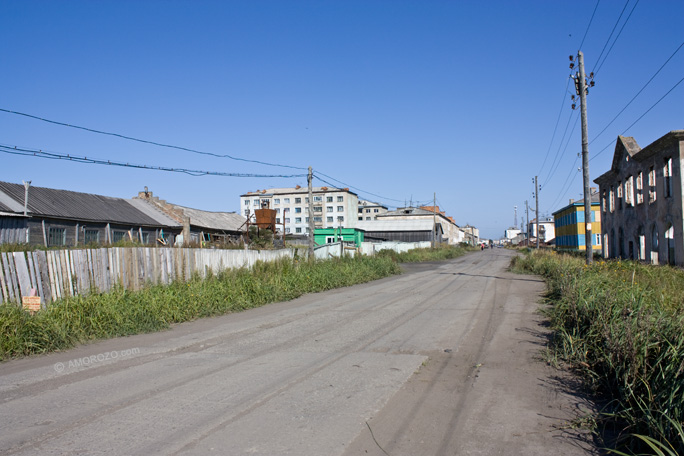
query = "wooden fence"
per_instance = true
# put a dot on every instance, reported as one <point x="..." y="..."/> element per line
<point x="56" y="274"/>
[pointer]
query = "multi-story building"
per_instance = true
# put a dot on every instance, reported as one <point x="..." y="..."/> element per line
<point x="369" y="210"/>
<point x="570" y="227"/>
<point x="332" y="207"/>
<point x="452" y="233"/>
<point x="547" y="231"/>
<point x="641" y="201"/>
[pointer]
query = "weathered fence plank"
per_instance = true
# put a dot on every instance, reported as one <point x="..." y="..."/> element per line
<point x="58" y="274"/>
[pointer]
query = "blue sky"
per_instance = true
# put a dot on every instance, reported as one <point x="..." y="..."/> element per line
<point x="396" y="99"/>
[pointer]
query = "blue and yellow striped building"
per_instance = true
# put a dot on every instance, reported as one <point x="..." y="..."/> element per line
<point x="569" y="224"/>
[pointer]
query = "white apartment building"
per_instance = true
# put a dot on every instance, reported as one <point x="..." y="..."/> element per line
<point x="369" y="210"/>
<point x="332" y="207"/>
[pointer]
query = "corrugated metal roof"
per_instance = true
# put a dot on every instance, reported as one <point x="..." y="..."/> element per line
<point x="394" y="225"/>
<point x="48" y="202"/>
<point x="153" y="212"/>
<point x="227" y="221"/>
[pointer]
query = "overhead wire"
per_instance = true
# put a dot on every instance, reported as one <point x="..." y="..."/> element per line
<point x="15" y="150"/>
<point x="145" y="141"/>
<point x="600" y="64"/>
<point x="555" y="128"/>
<point x="638" y="93"/>
<point x="589" y="25"/>
<point x="612" y="31"/>
<point x="640" y="117"/>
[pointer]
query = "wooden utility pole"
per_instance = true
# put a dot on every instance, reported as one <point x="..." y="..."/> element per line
<point x="581" y="88"/>
<point x="536" y="210"/>
<point x="527" y="224"/>
<point x="434" y="219"/>
<point x="311" y="216"/>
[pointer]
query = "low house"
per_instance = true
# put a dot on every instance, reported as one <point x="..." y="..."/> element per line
<point x="641" y="201"/>
<point x="547" y="229"/>
<point x="570" y="226"/>
<point x="204" y="227"/>
<point x="331" y="235"/>
<point x="401" y="230"/>
<point x="449" y="232"/>
<point x="51" y="217"/>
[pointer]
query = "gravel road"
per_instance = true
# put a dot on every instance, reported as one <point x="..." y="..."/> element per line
<point x="442" y="360"/>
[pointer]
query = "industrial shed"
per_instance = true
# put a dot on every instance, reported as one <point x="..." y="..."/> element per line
<point x="52" y="218"/>
<point x="400" y="230"/>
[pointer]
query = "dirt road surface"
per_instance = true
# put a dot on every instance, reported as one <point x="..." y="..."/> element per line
<point x="442" y="360"/>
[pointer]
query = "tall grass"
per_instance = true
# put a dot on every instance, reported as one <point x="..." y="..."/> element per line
<point x="441" y="252"/>
<point x="621" y="324"/>
<point x="79" y="319"/>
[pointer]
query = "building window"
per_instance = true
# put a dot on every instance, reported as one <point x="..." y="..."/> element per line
<point x="277" y="211"/>
<point x="376" y="210"/>
<point x="360" y="218"/>
<point x="287" y="220"/>
<point x="298" y="201"/>
<point x="318" y="199"/>
<point x="286" y="200"/>
<point x="246" y="202"/>
<point x="318" y="209"/>
<point x="118" y="236"/>
<point x="651" y="185"/>
<point x="276" y="201"/>
<point x="307" y="220"/>
<point x="329" y="199"/>
<point x="329" y="209"/>
<point x="91" y="237"/>
<point x="318" y="219"/>
<point x="277" y="219"/>
<point x="56" y="236"/>
<point x="340" y="218"/>
<point x="611" y="202"/>
<point x="256" y="202"/>
<point x="629" y="192"/>
<point x="340" y="199"/>
<point x="619" y="196"/>
<point x="367" y="211"/>
<point x="640" y="188"/>
<point x="287" y="230"/>
<point x="368" y="218"/>
<point x="329" y="219"/>
<point x="298" y="220"/>
<point x="667" y="175"/>
<point x="298" y="230"/>
<point x="340" y="208"/>
<point x="360" y="211"/>
<point x="246" y="212"/>
<point x="603" y="201"/>
<point x="298" y="210"/>
<point x="306" y="200"/>
<point x="286" y="209"/>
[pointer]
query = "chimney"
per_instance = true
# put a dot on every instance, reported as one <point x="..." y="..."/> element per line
<point x="27" y="184"/>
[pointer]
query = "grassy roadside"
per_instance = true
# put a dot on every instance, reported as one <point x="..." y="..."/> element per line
<point x="621" y="325"/>
<point x="80" y="319"/>
<point x="432" y="254"/>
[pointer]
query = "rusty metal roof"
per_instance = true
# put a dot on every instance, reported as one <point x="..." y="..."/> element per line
<point x="65" y="204"/>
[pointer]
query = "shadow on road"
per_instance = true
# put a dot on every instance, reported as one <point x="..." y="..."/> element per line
<point x="491" y="277"/>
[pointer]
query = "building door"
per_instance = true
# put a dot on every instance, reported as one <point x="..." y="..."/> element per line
<point x="670" y="247"/>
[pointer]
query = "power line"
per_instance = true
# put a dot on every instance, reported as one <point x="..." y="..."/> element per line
<point x="642" y="116"/>
<point x="616" y="38"/>
<point x="559" y="154"/>
<point x="555" y="128"/>
<point x="15" y="150"/>
<point x="638" y="93"/>
<point x="355" y="188"/>
<point x="589" y="25"/>
<point x="144" y="141"/>
<point x="612" y="31"/>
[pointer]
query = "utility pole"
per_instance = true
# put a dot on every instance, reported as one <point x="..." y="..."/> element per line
<point x="536" y="210"/>
<point x="527" y="225"/>
<point x="311" y="216"/>
<point x="582" y="90"/>
<point x="434" y="218"/>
